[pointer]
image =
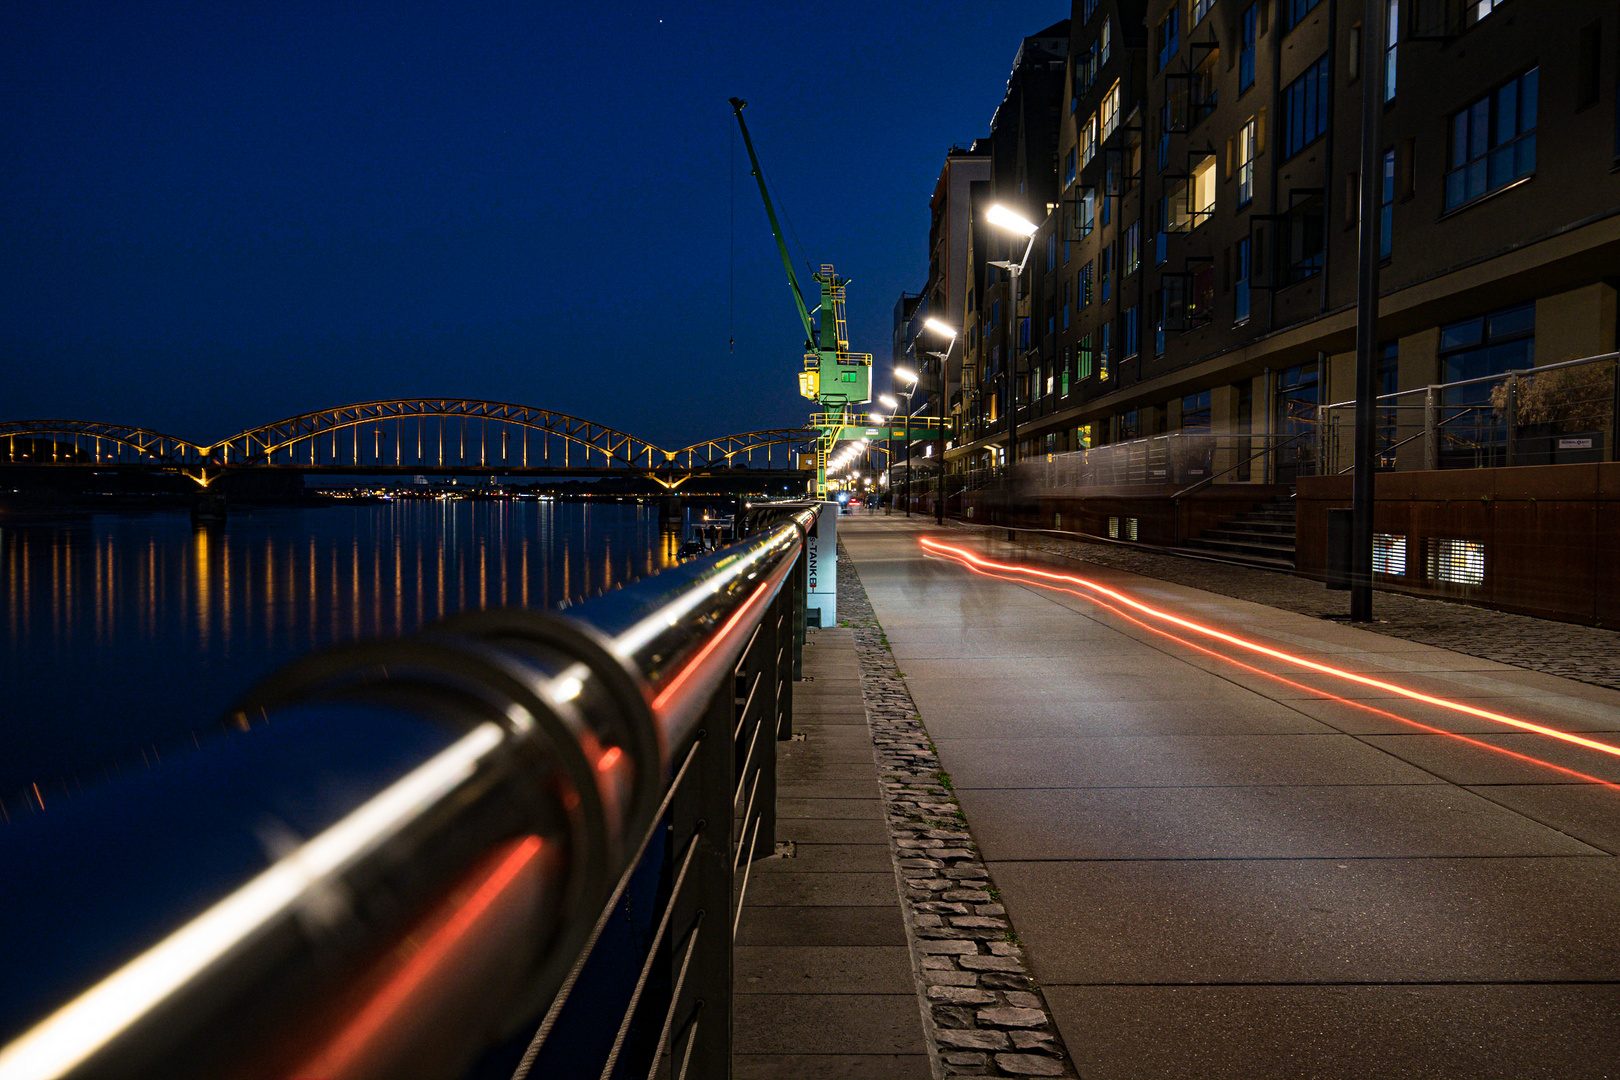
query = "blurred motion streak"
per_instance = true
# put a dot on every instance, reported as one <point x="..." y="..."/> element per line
<point x="978" y="565"/>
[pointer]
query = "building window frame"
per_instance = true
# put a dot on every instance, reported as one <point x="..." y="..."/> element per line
<point x="1486" y="155"/>
<point x="1307" y="107"/>
<point x="1246" y="54"/>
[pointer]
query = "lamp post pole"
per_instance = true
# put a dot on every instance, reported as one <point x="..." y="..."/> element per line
<point x="1005" y="219"/>
<point x="1369" y="255"/>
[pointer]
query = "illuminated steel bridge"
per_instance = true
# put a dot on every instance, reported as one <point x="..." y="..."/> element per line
<point x="409" y="435"/>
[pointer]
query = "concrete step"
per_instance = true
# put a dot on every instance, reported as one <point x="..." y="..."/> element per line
<point x="1280" y="541"/>
<point x="1286" y="527"/>
<point x="1259" y="562"/>
<point x="1269" y="552"/>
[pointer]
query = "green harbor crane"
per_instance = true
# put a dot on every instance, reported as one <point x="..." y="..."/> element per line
<point x="833" y="377"/>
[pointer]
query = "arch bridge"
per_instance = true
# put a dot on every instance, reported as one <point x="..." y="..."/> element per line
<point x="406" y="435"/>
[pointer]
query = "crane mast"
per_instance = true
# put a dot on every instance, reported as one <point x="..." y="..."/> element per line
<point x="833" y="377"/>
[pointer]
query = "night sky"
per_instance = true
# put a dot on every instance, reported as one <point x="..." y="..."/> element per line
<point x="217" y="215"/>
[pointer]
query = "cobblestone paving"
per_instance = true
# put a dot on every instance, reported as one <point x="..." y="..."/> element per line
<point x="985" y="1016"/>
<point x="1586" y="653"/>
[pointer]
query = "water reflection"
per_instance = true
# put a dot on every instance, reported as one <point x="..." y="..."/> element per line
<point x="126" y="635"/>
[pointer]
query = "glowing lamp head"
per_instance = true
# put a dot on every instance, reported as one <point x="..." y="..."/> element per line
<point x="1003" y="218"/>
<point x="876" y="418"/>
<point x="905" y="375"/>
<point x="940" y="328"/>
<point x="888" y="401"/>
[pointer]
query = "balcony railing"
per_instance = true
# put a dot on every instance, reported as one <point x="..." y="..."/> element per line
<point x="1560" y="413"/>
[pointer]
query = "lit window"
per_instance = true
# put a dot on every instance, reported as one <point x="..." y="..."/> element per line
<point x="1088" y="139"/>
<point x="1202" y="190"/>
<point x="1478" y="9"/>
<point x="1200" y="9"/>
<point x="1110" y="110"/>
<point x="1245" y="164"/>
<point x="1169" y="36"/>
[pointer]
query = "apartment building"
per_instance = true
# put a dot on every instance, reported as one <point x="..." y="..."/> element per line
<point x="1195" y="265"/>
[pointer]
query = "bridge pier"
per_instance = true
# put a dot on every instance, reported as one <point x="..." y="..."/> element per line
<point x="208" y="505"/>
<point x="671" y="512"/>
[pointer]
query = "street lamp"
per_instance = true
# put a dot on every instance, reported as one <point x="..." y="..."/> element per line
<point x="1008" y="221"/>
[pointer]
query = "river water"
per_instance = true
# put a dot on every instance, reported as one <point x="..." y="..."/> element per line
<point x="123" y="636"/>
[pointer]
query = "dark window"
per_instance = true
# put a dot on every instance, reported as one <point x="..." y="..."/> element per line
<point x="1493" y="141"/>
<point x="1170" y="36"/>
<point x="1392" y="39"/>
<point x="1105" y="270"/>
<point x="1489" y="345"/>
<point x="1589" y="62"/>
<point x="1196" y="412"/>
<point x="1251" y="21"/>
<point x="1084" y="357"/>
<point x="1293" y="11"/>
<point x="1305" y="108"/>
<point x="1133" y="331"/>
<point x="1386" y="211"/>
<point x="1305" y="238"/>
<point x="1241" y="273"/>
<point x="1133" y="249"/>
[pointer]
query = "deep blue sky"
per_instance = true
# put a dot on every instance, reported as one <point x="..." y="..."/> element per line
<point x="219" y="214"/>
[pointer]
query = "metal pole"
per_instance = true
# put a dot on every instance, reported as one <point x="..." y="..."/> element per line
<point x="908" y="452"/>
<point x="1372" y="180"/>
<point x="939" y="403"/>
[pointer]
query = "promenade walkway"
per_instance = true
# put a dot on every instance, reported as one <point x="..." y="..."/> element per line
<point x="1263" y="870"/>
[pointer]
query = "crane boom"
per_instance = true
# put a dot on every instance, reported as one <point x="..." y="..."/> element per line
<point x="811" y="338"/>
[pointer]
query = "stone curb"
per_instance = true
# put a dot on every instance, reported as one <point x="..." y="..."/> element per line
<point x="983" y="1013"/>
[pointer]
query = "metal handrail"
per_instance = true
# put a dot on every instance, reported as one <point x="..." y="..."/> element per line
<point x="405" y="852"/>
<point x="1498" y="377"/>
<point x="1248" y="461"/>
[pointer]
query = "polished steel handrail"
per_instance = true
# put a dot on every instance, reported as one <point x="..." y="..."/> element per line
<point x="400" y="857"/>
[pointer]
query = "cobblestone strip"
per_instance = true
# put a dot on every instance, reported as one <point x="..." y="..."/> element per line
<point x="1588" y="654"/>
<point x="985" y="1015"/>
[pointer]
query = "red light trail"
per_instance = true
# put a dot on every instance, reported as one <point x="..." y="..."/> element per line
<point x="983" y="566"/>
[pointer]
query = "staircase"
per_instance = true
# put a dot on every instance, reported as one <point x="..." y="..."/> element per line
<point x="1264" y="537"/>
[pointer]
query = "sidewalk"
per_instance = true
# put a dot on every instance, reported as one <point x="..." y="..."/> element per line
<point x="1265" y="871"/>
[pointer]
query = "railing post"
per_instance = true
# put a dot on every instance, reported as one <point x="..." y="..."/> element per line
<point x="701" y="815"/>
<point x="1511" y="418"/>
<point x="1431" y="428"/>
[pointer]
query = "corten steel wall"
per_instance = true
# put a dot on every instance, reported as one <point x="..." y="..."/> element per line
<point x="1551" y="534"/>
<point x="1151" y="505"/>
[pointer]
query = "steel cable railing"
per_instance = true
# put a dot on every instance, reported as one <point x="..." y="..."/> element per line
<point x="401" y="863"/>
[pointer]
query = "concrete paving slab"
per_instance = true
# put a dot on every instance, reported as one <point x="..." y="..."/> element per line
<point x="1317" y="920"/>
<point x="829" y="830"/>
<point x="831" y="1067"/>
<point x="820" y="858"/>
<point x="952" y="717"/>
<point x="1405" y="1032"/>
<point x="1588" y="812"/>
<point x="830" y="807"/>
<point x="832" y="1024"/>
<point x="829" y="789"/>
<point x="820" y="969"/>
<point x="1395" y="717"/>
<point x="1530" y="759"/>
<point x="843" y="889"/>
<point x="1174" y="761"/>
<point x="762" y="924"/>
<point x="1385" y="821"/>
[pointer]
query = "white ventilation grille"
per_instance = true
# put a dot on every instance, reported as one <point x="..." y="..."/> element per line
<point x="1389" y="554"/>
<point x="1456" y="562"/>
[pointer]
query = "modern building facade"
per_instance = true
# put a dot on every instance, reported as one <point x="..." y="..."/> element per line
<point x="1195" y="268"/>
